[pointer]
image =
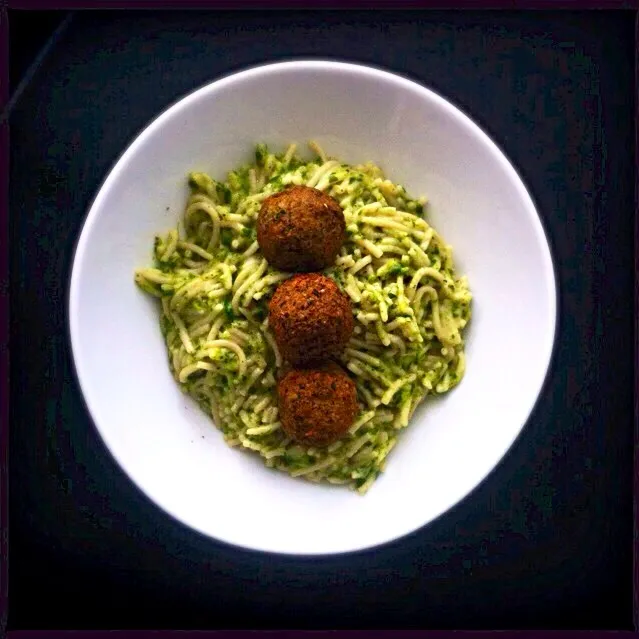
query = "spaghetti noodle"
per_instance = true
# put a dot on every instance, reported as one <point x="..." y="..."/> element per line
<point x="410" y="309"/>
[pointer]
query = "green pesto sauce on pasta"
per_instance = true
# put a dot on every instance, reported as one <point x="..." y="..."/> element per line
<point x="213" y="283"/>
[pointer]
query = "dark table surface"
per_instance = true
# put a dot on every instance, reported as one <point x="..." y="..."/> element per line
<point x="545" y="541"/>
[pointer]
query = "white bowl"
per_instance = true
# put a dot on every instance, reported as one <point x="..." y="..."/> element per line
<point x="170" y="449"/>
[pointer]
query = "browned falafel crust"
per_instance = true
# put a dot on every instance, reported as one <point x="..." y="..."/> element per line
<point x="312" y="320"/>
<point x="317" y="406"/>
<point x="300" y="229"/>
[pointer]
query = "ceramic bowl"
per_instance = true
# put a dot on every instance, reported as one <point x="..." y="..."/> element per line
<point x="170" y="449"/>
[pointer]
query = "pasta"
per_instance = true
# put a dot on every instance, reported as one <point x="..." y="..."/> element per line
<point x="410" y="310"/>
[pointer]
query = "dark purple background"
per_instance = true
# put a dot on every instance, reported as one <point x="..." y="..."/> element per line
<point x="544" y="542"/>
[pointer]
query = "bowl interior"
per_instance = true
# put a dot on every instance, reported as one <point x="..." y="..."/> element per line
<point x="477" y="202"/>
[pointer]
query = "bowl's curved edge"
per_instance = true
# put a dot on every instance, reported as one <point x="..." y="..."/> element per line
<point x="318" y="63"/>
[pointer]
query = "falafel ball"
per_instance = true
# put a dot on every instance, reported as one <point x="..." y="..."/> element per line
<point x="312" y="320"/>
<point x="317" y="405"/>
<point x="300" y="229"/>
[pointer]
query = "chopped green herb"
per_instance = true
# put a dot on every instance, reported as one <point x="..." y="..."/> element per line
<point x="223" y="193"/>
<point x="261" y="153"/>
<point x="228" y="310"/>
<point x="226" y="237"/>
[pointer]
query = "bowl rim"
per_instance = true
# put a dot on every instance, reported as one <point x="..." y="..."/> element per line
<point x="306" y="63"/>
